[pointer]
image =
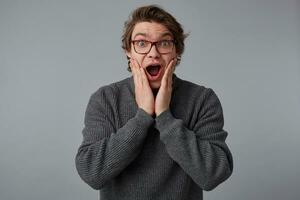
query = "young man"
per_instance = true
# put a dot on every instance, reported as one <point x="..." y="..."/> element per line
<point x="153" y="135"/>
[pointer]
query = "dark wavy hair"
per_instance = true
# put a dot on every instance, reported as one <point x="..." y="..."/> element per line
<point x="154" y="13"/>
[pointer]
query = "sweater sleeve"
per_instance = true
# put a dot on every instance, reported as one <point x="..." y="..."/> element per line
<point x="201" y="152"/>
<point x="105" y="152"/>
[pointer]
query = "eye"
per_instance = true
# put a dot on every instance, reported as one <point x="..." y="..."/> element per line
<point x="165" y="43"/>
<point x="141" y="43"/>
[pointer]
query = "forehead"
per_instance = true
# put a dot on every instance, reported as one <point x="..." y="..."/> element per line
<point x="151" y="30"/>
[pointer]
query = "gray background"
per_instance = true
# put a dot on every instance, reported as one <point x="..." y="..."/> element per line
<point x="54" y="54"/>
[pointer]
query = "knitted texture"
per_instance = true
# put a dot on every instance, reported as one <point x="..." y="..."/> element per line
<point x="129" y="155"/>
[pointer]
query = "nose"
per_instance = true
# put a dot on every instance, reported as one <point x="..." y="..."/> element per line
<point x="153" y="53"/>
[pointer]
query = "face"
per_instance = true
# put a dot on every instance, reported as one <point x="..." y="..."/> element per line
<point x="153" y="62"/>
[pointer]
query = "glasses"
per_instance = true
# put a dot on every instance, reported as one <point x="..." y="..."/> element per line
<point x="144" y="46"/>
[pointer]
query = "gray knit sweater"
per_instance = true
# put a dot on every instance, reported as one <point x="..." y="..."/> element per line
<point x="131" y="155"/>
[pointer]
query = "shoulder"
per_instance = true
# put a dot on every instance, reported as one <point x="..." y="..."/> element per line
<point x="193" y="102"/>
<point x="196" y="97"/>
<point x="194" y="90"/>
<point x="113" y="90"/>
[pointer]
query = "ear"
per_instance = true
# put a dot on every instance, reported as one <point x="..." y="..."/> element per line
<point x="128" y="54"/>
<point x="178" y="60"/>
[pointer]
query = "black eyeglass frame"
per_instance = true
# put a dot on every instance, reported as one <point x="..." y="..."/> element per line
<point x="153" y="43"/>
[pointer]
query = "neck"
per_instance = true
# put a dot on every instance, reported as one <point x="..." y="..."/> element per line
<point x="155" y="91"/>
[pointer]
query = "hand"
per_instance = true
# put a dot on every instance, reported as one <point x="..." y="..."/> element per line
<point x="163" y="98"/>
<point x="143" y="93"/>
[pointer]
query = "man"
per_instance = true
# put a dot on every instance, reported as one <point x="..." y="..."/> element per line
<point x="153" y="135"/>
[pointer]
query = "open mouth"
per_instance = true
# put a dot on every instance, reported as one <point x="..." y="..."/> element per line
<point x="153" y="70"/>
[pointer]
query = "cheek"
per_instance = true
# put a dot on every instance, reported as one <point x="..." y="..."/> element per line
<point x="174" y="54"/>
<point x="140" y="59"/>
<point x="168" y="59"/>
<point x="137" y="57"/>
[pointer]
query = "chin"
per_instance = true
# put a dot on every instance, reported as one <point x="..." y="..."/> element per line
<point x="155" y="85"/>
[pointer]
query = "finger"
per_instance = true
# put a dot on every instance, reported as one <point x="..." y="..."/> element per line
<point x="137" y="74"/>
<point x="132" y="63"/>
<point x="134" y="70"/>
<point x="138" y="67"/>
<point x="136" y="63"/>
<point x="172" y="65"/>
<point x="144" y="76"/>
<point x="141" y="73"/>
<point x="168" y="73"/>
<point x="133" y="66"/>
<point x="172" y="69"/>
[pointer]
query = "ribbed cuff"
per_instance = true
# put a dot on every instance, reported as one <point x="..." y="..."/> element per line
<point x="166" y="124"/>
<point x="143" y="118"/>
<point x="136" y="128"/>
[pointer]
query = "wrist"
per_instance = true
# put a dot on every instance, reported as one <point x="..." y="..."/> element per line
<point x="159" y="112"/>
<point x="148" y="111"/>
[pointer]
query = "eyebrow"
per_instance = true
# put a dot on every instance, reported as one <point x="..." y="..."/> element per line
<point x="142" y="34"/>
<point x="162" y="35"/>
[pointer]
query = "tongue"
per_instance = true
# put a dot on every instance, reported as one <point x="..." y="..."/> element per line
<point x="153" y="70"/>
